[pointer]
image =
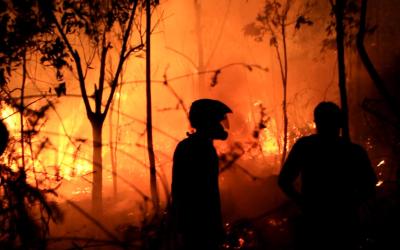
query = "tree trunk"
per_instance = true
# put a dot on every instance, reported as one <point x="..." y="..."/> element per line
<point x="284" y="101"/>
<point x="149" y="122"/>
<point x="339" y="15"/>
<point x="113" y="155"/>
<point x="97" y="184"/>
<point x="22" y="107"/>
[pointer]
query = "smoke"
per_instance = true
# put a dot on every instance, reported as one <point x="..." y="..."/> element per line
<point x="182" y="72"/>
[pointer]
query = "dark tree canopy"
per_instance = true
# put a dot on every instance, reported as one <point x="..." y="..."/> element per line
<point x="33" y="26"/>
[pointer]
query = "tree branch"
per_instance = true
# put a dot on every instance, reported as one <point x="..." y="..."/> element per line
<point x="122" y="58"/>
<point x="78" y="66"/>
<point x="103" y="57"/>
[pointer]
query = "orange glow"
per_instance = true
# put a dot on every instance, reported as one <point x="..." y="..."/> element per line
<point x="241" y="242"/>
<point x="12" y="121"/>
<point x="11" y="118"/>
<point x="270" y="137"/>
<point x="269" y="142"/>
<point x="68" y="164"/>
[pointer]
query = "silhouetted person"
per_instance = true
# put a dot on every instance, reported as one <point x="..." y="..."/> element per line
<point x="196" y="205"/>
<point x="336" y="177"/>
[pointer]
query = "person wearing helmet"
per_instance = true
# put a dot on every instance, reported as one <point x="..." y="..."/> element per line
<point x="336" y="176"/>
<point x="196" y="207"/>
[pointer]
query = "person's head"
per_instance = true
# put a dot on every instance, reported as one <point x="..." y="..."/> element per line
<point x="328" y="119"/>
<point x="208" y="118"/>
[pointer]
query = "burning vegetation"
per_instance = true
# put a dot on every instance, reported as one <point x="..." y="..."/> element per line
<point x="91" y="123"/>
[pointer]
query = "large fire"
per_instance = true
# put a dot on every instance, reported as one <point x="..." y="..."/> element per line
<point x="67" y="163"/>
<point x="269" y="141"/>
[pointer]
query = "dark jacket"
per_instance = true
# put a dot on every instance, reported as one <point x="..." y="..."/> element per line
<point x="334" y="173"/>
<point x="196" y="205"/>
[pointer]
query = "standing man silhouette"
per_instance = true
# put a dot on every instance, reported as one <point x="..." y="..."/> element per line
<point x="336" y="177"/>
<point x="196" y="207"/>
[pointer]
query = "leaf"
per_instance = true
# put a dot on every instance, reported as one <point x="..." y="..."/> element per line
<point x="328" y="44"/>
<point x="61" y="89"/>
<point x="252" y="29"/>
<point x="59" y="75"/>
<point x="273" y="41"/>
<point x="301" y="20"/>
<point x="214" y="79"/>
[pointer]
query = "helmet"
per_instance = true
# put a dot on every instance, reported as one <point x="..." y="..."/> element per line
<point x="207" y="111"/>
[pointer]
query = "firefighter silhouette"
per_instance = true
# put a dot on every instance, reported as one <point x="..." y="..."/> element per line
<point x="195" y="193"/>
<point x="336" y="177"/>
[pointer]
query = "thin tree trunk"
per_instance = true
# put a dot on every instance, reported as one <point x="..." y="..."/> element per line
<point x="339" y="15"/>
<point x="149" y="122"/>
<point x="284" y="102"/>
<point x="97" y="184"/>
<point x="22" y="111"/>
<point x="113" y="152"/>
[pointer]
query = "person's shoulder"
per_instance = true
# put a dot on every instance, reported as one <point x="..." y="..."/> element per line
<point x="304" y="143"/>
<point x="183" y="143"/>
<point x="354" y="149"/>
<point x="357" y="148"/>
<point x="187" y="143"/>
<point x="306" y="140"/>
<point x="182" y="148"/>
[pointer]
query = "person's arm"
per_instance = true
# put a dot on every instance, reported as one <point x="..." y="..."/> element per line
<point x="289" y="173"/>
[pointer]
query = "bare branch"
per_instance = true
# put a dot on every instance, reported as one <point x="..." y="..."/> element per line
<point x="103" y="57"/>
<point x="183" y="55"/>
<point x="133" y="50"/>
<point x="78" y="66"/>
<point x="122" y="58"/>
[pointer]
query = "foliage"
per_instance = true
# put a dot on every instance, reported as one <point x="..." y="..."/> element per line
<point x="273" y="22"/>
<point x="274" y="14"/>
<point x="76" y="35"/>
<point x="25" y="212"/>
<point x="39" y="27"/>
<point x="351" y="23"/>
<point x="22" y="24"/>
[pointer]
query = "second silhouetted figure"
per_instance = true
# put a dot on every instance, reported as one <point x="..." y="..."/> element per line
<point x="336" y="176"/>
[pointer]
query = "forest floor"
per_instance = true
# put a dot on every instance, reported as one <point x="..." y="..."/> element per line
<point x="269" y="225"/>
